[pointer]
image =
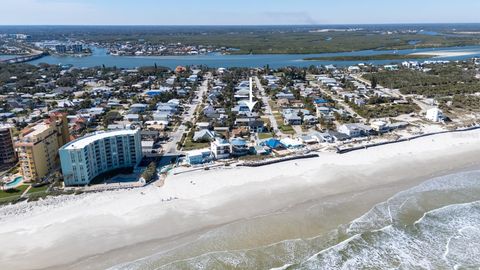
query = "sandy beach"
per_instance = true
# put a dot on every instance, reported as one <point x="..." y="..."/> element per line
<point x="252" y="206"/>
<point x="446" y="53"/>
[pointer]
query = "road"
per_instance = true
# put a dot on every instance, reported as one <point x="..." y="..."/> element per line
<point x="170" y="148"/>
<point x="340" y="101"/>
<point x="268" y="108"/>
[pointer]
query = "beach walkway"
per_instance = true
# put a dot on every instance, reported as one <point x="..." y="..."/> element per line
<point x="26" y="191"/>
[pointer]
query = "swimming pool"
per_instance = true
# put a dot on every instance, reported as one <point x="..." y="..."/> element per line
<point x="17" y="181"/>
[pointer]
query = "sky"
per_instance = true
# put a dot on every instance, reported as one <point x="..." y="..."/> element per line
<point x="235" y="12"/>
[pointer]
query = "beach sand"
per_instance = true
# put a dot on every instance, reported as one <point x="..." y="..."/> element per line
<point x="446" y="53"/>
<point x="224" y="209"/>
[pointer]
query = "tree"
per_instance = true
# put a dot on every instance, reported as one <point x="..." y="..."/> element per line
<point x="111" y="117"/>
<point x="374" y="82"/>
<point x="149" y="171"/>
<point x="86" y="103"/>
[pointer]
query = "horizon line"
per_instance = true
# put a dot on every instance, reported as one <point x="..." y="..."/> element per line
<point x="240" y="25"/>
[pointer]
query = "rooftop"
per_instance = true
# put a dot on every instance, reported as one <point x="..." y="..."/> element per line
<point x="36" y="130"/>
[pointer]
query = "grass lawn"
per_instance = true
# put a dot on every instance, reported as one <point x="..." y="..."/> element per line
<point x="287" y="129"/>
<point x="38" y="189"/>
<point x="13" y="194"/>
<point x="190" y="145"/>
<point x="278" y="118"/>
<point x="266" y="120"/>
<point x="263" y="136"/>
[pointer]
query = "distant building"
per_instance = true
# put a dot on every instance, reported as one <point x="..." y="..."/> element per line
<point x="61" y="48"/>
<point x="77" y="48"/>
<point x="38" y="146"/>
<point x="7" y="151"/>
<point x="85" y="158"/>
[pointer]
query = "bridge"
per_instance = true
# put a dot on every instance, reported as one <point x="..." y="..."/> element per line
<point x="24" y="58"/>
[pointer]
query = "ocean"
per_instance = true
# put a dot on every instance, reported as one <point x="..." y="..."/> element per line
<point x="435" y="225"/>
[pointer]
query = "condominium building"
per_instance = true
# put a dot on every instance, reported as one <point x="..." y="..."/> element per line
<point x="85" y="158"/>
<point x="7" y="151"/>
<point x="38" y="146"/>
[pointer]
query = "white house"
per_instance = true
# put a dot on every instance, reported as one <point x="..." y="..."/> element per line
<point x="355" y="130"/>
<point x="435" y="115"/>
<point x="220" y="148"/>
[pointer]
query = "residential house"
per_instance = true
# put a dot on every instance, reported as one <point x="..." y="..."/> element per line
<point x="285" y="95"/>
<point x="355" y="130"/>
<point x="292" y="143"/>
<point x="435" y="115"/>
<point x="239" y="147"/>
<point x="220" y="148"/>
<point x="138" y="108"/>
<point x="197" y="157"/>
<point x="273" y="144"/>
<point x="292" y="119"/>
<point x="204" y="135"/>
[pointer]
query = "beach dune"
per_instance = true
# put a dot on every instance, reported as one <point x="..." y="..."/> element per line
<point x="100" y="230"/>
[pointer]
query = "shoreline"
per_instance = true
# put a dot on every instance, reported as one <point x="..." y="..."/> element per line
<point x="119" y="220"/>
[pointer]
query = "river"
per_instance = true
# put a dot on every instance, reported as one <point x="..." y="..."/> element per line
<point x="100" y="57"/>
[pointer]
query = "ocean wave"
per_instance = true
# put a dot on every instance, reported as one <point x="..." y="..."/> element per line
<point x="443" y="238"/>
<point x="432" y="226"/>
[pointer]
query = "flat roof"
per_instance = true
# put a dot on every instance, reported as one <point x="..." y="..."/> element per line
<point x="5" y="125"/>
<point x="37" y="129"/>
<point x="88" y="139"/>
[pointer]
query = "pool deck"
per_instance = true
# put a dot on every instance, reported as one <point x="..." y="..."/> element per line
<point x="15" y="183"/>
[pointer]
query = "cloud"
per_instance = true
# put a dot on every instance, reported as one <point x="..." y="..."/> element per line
<point x="291" y="18"/>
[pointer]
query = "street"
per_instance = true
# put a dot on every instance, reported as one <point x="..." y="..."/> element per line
<point x="268" y="111"/>
<point x="170" y="147"/>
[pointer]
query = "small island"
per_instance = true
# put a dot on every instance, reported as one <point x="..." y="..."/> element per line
<point x="369" y="57"/>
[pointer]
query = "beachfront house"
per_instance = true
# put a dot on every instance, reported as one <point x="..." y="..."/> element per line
<point x="322" y="137"/>
<point x="435" y="115"/>
<point x="239" y="147"/>
<point x="291" y="143"/>
<point x="196" y="157"/>
<point x="220" y="148"/>
<point x="380" y="126"/>
<point x="272" y="144"/>
<point x="355" y="130"/>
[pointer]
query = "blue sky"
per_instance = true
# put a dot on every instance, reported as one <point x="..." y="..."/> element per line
<point x="236" y="12"/>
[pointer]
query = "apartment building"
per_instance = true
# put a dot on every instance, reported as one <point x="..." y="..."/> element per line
<point x="85" y="158"/>
<point x="7" y="151"/>
<point x="38" y="146"/>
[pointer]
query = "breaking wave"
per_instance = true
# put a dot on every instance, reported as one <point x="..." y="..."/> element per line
<point x="435" y="225"/>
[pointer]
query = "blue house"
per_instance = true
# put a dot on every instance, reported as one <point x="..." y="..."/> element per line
<point x="320" y="102"/>
<point x="273" y="144"/>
